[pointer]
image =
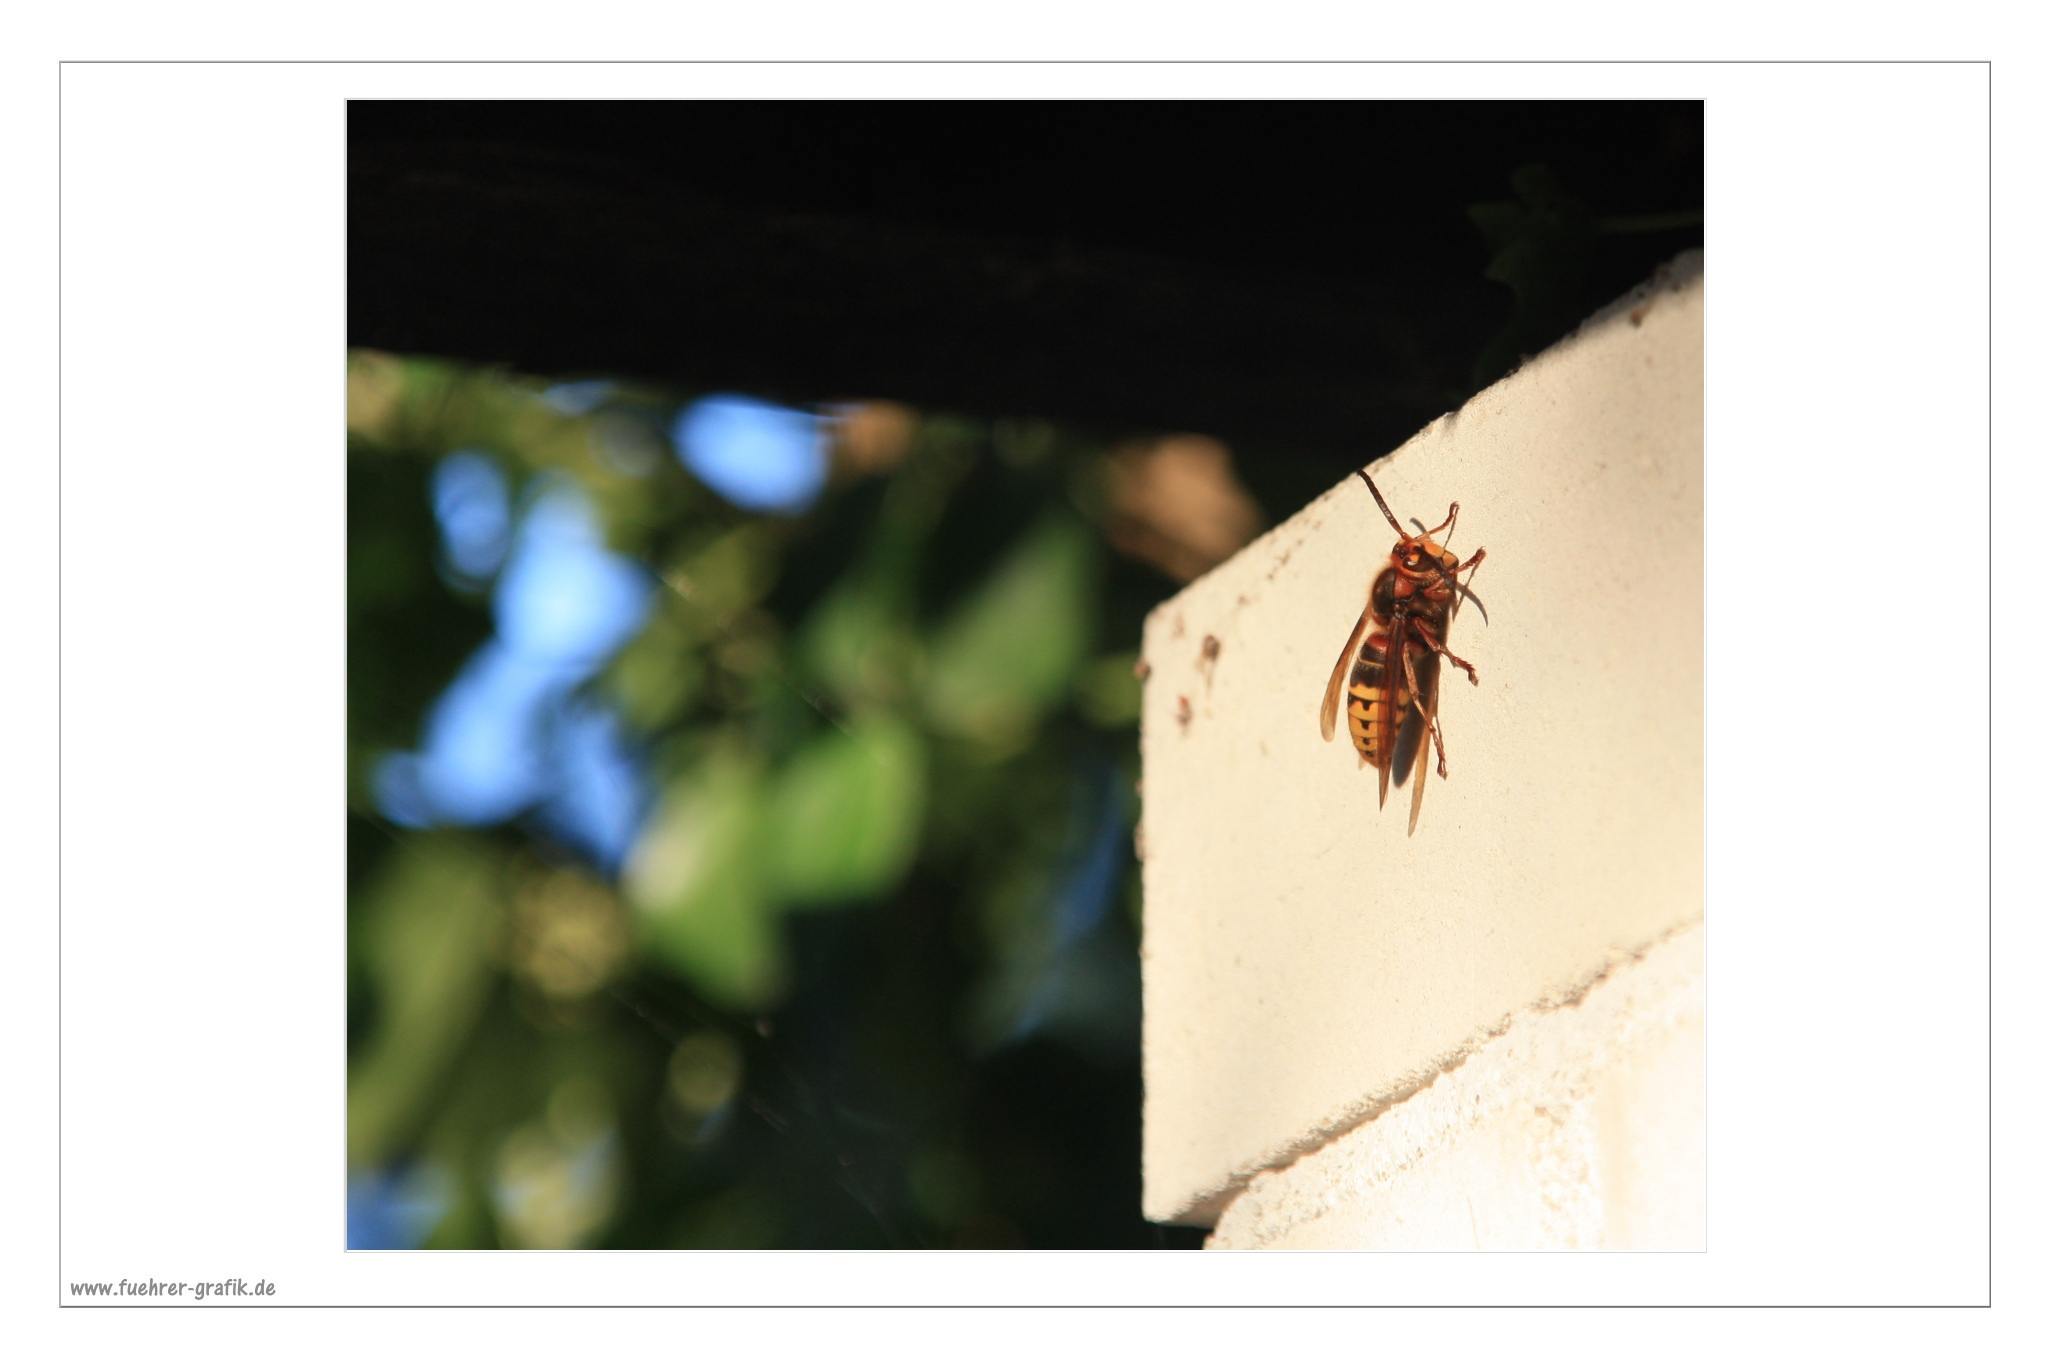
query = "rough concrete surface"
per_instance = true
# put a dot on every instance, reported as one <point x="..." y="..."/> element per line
<point x="1307" y="964"/>
<point x="1580" y="1126"/>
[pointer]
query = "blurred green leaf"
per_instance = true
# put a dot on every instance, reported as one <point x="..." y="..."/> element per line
<point x="723" y="575"/>
<point x="659" y="675"/>
<point x="846" y="814"/>
<point x="425" y="932"/>
<point x="1011" y="650"/>
<point x="696" y="881"/>
<point x="1108" y="692"/>
<point x="857" y="643"/>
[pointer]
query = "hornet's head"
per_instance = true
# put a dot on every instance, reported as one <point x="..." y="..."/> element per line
<point x="1417" y="552"/>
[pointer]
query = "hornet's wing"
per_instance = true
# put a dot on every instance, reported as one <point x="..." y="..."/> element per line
<point x="1333" y="695"/>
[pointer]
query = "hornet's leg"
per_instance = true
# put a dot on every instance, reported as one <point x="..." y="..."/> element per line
<point x="1478" y="558"/>
<point x="1408" y="666"/>
<point x="1435" y="731"/>
<point x="1430" y="638"/>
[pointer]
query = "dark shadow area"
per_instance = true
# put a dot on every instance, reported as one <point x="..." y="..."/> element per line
<point x="1309" y="283"/>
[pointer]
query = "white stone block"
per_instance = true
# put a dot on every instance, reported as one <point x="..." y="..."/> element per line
<point x="1308" y="966"/>
<point x="1577" y="1127"/>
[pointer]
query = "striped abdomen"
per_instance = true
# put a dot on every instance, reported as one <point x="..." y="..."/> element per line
<point x="1367" y="705"/>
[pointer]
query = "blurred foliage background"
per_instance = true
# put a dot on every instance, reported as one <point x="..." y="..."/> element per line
<point x="741" y="815"/>
<point x="742" y="792"/>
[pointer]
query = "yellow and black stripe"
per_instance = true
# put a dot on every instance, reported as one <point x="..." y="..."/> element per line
<point x="1372" y="720"/>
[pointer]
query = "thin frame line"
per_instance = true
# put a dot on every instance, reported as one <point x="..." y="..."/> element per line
<point x="1990" y="651"/>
